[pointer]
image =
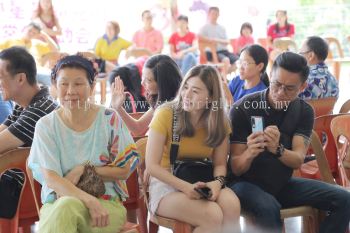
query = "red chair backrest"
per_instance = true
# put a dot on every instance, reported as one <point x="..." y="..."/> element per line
<point x="263" y="42"/>
<point x="322" y="126"/>
<point x="26" y="211"/>
<point x="133" y="190"/>
<point x="345" y="108"/>
<point x="340" y="127"/>
<point x="323" y="106"/>
<point x="234" y="46"/>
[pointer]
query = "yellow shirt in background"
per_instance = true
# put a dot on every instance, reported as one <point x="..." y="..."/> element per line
<point x="189" y="147"/>
<point x="37" y="48"/>
<point x="110" y="51"/>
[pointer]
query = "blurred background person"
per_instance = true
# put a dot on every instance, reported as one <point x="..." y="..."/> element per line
<point x="282" y="28"/>
<point x="38" y="43"/>
<point x="148" y="40"/>
<point x="320" y="83"/>
<point x="212" y="32"/>
<point x="183" y="45"/>
<point x="46" y="17"/>
<point x="109" y="46"/>
<point x="245" y="38"/>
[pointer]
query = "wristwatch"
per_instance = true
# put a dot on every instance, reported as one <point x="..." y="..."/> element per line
<point x="280" y="150"/>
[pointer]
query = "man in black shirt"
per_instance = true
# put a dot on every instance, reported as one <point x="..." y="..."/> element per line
<point x="262" y="160"/>
<point x="18" y="83"/>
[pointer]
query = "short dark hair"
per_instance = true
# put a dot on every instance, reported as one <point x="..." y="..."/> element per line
<point x="292" y="62"/>
<point x="20" y="61"/>
<point x="182" y="17"/>
<point x="168" y="76"/>
<point x="75" y="61"/>
<point x="213" y="8"/>
<point x="319" y="46"/>
<point x="145" y="12"/>
<point x="246" y="25"/>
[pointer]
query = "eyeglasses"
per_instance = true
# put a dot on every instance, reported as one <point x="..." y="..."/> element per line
<point x="288" y="89"/>
<point x="244" y="64"/>
<point x="303" y="53"/>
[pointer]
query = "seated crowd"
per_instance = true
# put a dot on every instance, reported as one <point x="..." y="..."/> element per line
<point x="249" y="153"/>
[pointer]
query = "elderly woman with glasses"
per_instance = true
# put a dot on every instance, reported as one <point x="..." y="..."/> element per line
<point x="252" y="76"/>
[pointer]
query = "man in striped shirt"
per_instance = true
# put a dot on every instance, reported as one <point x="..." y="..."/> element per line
<point x="18" y="83"/>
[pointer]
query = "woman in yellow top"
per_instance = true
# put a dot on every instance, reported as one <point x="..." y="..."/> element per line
<point x="109" y="46"/>
<point x="204" y="131"/>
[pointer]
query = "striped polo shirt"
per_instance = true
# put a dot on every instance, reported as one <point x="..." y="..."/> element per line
<point x="21" y="123"/>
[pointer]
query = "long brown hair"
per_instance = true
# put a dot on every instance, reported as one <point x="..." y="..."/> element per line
<point x="38" y="11"/>
<point x="214" y="115"/>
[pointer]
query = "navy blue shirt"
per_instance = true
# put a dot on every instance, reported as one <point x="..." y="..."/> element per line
<point x="237" y="89"/>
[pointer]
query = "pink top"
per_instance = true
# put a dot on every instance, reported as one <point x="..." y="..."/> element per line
<point x="152" y="40"/>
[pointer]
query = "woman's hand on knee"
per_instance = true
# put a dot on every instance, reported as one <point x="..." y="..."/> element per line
<point x="191" y="192"/>
<point x="99" y="214"/>
<point x="215" y="187"/>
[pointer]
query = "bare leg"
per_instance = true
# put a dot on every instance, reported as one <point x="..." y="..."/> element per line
<point x="205" y="216"/>
<point x="231" y="208"/>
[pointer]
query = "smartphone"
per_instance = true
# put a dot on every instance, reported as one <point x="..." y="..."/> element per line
<point x="257" y="124"/>
<point x="204" y="192"/>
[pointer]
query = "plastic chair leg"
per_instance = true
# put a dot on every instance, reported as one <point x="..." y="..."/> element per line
<point x="142" y="216"/>
<point x="153" y="228"/>
<point x="181" y="227"/>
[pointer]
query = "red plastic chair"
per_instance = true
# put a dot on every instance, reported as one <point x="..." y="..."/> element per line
<point x="155" y="220"/>
<point x="310" y="169"/>
<point x="233" y="43"/>
<point x="26" y="214"/>
<point x="135" y="204"/>
<point x="263" y="43"/>
<point x="340" y="127"/>
<point x="202" y="46"/>
<point x="345" y="108"/>
<point x="323" y="106"/>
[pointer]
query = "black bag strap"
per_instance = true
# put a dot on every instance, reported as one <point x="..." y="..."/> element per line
<point x="175" y="140"/>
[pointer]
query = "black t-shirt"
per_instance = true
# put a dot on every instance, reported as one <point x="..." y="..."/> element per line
<point x="266" y="170"/>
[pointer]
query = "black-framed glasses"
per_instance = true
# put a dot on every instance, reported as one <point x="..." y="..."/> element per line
<point x="288" y="89"/>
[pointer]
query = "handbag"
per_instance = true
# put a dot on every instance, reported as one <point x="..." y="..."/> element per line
<point x="190" y="170"/>
<point x="11" y="183"/>
<point x="90" y="182"/>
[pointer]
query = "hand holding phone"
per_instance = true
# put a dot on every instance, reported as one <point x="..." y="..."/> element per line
<point x="204" y="192"/>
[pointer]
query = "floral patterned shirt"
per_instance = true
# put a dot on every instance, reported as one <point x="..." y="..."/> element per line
<point x="320" y="83"/>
